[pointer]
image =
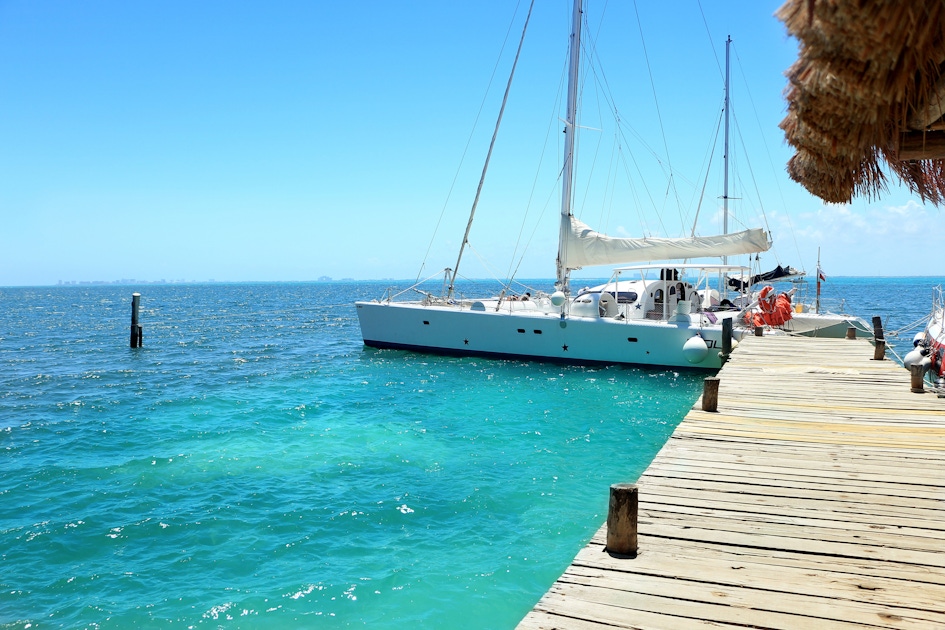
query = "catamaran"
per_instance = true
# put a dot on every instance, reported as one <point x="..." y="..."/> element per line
<point x="668" y="313"/>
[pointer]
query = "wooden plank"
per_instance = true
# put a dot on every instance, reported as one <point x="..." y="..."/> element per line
<point x="785" y="490"/>
<point x="748" y="572"/>
<point x="850" y="514"/>
<point x="612" y="606"/>
<point x="893" y="546"/>
<point x="559" y="618"/>
<point x="869" y="480"/>
<point x="750" y="558"/>
<point x="705" y="588"/>
<point x="829" y="464"/>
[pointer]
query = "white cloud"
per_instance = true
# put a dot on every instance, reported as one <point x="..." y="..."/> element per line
<point x="874" y="238"/>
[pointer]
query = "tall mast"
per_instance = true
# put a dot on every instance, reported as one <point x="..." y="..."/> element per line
<point x="728" y="43"/>
<point x="574" y="66"/>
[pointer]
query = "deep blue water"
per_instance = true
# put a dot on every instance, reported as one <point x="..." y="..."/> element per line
<point x="253" y="465"/>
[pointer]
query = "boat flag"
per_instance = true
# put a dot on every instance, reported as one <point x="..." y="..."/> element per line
<point x="821" y="275"/>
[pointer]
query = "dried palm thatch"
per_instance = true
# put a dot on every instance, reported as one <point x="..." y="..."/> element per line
<point x="866" y="96"/>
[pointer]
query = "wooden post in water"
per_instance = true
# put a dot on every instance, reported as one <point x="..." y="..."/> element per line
<point x="622" y="520"/>
<point x="917" y="371"/>
<point x="726" y="338"/>
<point x="710" y="394"/>
<point x="878" y="327"/>
<point x="136" y="331"/>
<point x="851" y="333"/>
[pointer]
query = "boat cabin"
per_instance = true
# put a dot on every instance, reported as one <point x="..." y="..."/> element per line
<point x="658" y="293"/>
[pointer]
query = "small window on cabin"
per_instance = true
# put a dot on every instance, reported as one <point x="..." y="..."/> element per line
<point x="537" y="332"/>
<point x="521" y="330"/>
<point x="659" y="295"/>
<point x="426" y="323"/>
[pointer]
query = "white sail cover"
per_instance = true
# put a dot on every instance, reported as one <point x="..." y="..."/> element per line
<point x="585" y="248"/>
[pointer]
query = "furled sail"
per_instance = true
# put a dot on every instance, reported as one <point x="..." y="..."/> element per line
<point x="586" y="248"/>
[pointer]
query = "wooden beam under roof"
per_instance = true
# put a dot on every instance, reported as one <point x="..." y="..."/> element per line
<point x="921" y="145"/>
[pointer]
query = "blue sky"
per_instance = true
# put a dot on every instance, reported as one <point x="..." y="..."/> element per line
<point x="290" y="140"/>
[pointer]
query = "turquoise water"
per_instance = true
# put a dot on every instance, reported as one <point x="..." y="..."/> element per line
<point x="253" y="465"/>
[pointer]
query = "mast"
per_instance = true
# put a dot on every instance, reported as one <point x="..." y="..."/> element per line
<point x="570" y="130"/>
<point x="819" y="274"/>
<point x="728" y="43"/>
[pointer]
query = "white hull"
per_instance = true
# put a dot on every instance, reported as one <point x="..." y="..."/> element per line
<point x="935" y="337"/>
<point x="826" y="325"/>
<point x="536" y="334"/>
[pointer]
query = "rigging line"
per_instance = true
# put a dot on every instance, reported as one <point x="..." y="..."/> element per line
<point x="472" y="133"/>
<point x="597" y="70"/>
<point x="633" y="161"/>
<point x="708" y="32"/>
<point x="513" y="272"/>
<point x="751" y="171"/>
<point x="708" y="169"/>
<point x="495" y="132"/>
<point x="548" y="201"/>
<point x="593" y="165"/>
<point x="919" y="322"/>
<point x="604" y="95"/>
<point x="531" y="196"/>
<point x="764" y="143"/>
<point x="610" y="188"/>
<point x="659" y="116"/>
<point x="488" y="267"/>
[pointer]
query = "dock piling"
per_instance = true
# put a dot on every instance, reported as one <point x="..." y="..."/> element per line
<point x="622" y="520"/>
<point x="879" y="350"/>
<point x="917" y="372"/>
<point x="710" y="394"/>
<point x="726" y="338"/>
<point x="851" y="333"/>
<point x="878" y="327"/>
<point x="136" y="331"/>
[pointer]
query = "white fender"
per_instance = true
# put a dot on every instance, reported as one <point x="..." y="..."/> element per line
<point x="913" y="357"/>
<point x="695" y="349"/>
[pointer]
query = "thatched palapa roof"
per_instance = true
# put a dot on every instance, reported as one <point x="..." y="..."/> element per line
<point x="866" y="96"/>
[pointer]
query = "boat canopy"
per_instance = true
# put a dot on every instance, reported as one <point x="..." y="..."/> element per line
<point x="586" y="247"/>
<point x="778" y="273"/>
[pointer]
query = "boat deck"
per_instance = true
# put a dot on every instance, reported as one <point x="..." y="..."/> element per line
<point x="813" y="498"/>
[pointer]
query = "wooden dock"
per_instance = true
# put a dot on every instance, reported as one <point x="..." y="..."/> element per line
<point x="813" y="498"/>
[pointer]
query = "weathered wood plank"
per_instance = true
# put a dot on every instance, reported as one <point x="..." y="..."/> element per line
<point x="706" y="589"/>
<point x="613" y="606"/>
<point x="852" y="515"/>
<point x="865" y="483"/>
<point x="742" y="570"/>
<point x="750" y="558"/>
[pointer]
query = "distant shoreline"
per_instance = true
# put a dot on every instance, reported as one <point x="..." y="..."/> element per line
<point x="327" y="280"/>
